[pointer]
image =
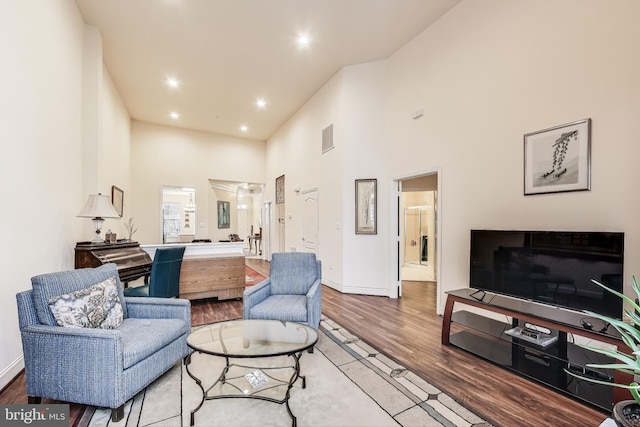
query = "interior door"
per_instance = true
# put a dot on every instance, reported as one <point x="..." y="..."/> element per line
<point x="310" y="225"/>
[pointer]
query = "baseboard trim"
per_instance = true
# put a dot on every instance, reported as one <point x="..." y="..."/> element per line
<point x="365" y="291"/>
<point x="332" y="285"/>
<point x="10" y="372"/>
<point x="356" y="289"/>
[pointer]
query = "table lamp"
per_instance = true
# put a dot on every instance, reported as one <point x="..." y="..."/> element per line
<point x="98" y="207"/>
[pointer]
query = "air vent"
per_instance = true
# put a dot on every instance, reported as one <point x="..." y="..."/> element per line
<point x="327" y="138"/>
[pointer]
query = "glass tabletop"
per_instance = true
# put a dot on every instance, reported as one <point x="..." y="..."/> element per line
<point x="252" y="338"/>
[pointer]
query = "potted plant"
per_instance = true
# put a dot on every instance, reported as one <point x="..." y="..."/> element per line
<point x="131" y="229"/>
<point x="627" y="412"/>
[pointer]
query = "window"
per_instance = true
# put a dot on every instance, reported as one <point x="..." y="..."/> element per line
<point x="171" y="219"/>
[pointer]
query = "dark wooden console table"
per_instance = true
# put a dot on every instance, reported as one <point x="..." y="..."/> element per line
<point x="486" y="338"/>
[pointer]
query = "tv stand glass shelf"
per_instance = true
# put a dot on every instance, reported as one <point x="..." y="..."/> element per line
<point x="545" y="350"/>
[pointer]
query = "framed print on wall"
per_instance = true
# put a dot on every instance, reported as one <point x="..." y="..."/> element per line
<point x="280" y="190"/>
<point x="366" y="206"/>
<point x="558" y="159"/>
<point x="117" y="199"/>
<point x="224" y="216"/>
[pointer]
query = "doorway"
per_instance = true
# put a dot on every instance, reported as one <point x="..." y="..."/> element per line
<point x="416" y="242"/>
<point x="246" y="202"/>
<point x="418" y="236"/>
<point x="178" y="214"/>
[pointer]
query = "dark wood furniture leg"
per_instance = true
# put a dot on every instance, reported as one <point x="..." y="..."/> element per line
<point x="117" y="414"/>
<point x="446" y="320"/>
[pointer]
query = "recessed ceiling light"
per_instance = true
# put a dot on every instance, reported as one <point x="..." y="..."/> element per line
<point x="244" y="128"/>
<point x="174" y="115"/>
<point x="303" y="40"/>
<point x="172" y="82"/>
<point x="261" y="103"/>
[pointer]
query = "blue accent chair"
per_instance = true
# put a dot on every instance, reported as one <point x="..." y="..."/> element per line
<point x="165" y="275"/>
<point x="98" y="367"/>
<point x="291" y="293"/>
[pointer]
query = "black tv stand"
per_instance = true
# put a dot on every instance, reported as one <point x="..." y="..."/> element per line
<point x="478" y="292"/>
<point x="488" y="338"/>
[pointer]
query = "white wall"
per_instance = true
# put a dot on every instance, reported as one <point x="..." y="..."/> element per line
<point x="40" y="136"/>
<point x="354" y="101"/>
<point x="44" y="176"/>
<point x="171" y="156"/>
<point x="105" y="133"/>
<point x="214" y="196"/>
<point x="485" y="74"/>
<point x="491" y="71"/>
<point x="115" y="158"/>
<point x="295" y="151"/>
<point x="366" y="257"/>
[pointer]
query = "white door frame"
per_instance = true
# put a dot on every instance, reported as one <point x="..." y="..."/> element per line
<point x="280" y="213"/>
<point x="267" y="214"/>
<point x="394" y="239"/>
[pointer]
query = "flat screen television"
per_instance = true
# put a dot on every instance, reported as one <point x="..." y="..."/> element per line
<point x="551" y="267"/>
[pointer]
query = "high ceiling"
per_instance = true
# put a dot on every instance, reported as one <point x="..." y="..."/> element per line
<point x="227" y="54"/>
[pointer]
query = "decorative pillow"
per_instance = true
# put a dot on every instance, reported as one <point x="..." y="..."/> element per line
<point x="97" y="306"/>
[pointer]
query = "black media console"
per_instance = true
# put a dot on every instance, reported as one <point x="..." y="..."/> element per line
<point x="536" y="341"/>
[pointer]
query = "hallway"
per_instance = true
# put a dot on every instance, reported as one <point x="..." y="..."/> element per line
<point x="418" y="272"/>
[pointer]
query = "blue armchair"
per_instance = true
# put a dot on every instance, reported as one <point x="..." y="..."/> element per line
<point x="89" y="365"/>
<point x="291" y="293"/>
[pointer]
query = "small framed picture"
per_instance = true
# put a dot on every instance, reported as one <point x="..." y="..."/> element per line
<point x="224" y="214"/>
<point x="117" y="199"/>
<point x="280" y="190"/>
<point x="558" y="159"/>
<point x="366" y="206"/>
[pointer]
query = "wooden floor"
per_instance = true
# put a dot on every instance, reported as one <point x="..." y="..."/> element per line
<point x="408" y="330"/>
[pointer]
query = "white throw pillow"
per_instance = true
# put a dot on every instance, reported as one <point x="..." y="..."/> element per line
<point x="97" y="306"/>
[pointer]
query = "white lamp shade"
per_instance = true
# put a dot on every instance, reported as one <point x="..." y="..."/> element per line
<point x="98" y="206"/>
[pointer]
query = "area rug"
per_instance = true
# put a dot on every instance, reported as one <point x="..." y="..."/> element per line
<point x="349" y="383"/>
<point x="252" y="277"/>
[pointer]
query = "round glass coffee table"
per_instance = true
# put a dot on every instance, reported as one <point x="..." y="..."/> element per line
<point x="251" y="339"/>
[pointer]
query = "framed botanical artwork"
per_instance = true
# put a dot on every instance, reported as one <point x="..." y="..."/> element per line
<point x="117" y="199"/>
<point x="224" y="214"/>
<point x="366" y="206"/>
<point x="280" y="190"/>
<point x="558" y="159"/>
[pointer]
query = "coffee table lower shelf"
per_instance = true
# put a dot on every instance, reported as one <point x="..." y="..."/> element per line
<point x="234" y="382"/>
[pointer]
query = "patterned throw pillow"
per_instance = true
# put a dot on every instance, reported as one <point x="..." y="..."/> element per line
<point x="97" y="306"/>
